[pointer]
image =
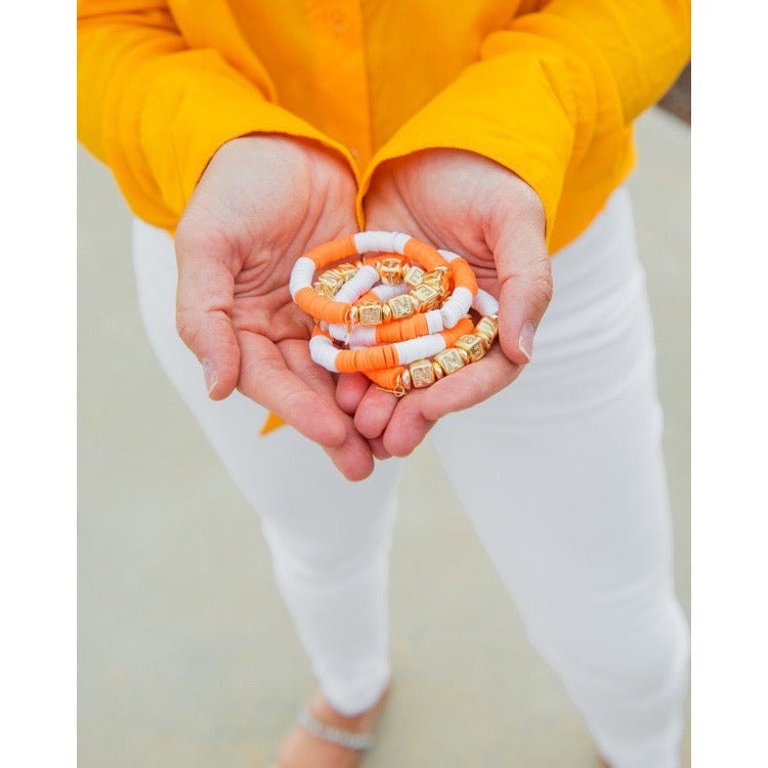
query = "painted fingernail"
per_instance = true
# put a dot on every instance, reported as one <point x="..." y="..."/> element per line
<point x="525" y="342"/>
<point x="210" y="375"/>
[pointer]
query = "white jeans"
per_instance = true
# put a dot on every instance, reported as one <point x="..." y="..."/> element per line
<point x="561" y="475"/>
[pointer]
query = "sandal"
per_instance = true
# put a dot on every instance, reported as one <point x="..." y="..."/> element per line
<point x="354" y="741"/>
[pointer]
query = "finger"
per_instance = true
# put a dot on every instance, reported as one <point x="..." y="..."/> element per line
<point x="525" y="274"/>
<point x="419" y="411"/>
<point x="265" y="378"/>
<point x="296" y="355"/>
<point x="469" y="386"/>
<point x="374" y="411"/>
<point x="407" y="427"/>
<point x="354" y="457"/>
<point x="204" y="298"/>
<point x="350" y="389"/>
<point x="378" y="449"/>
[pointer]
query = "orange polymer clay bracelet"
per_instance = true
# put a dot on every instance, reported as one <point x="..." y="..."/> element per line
<point x="340" y="310"/>
<point x="401" y="324"/>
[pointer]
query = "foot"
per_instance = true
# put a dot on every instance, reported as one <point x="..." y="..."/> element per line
<point x="303" y="750"/>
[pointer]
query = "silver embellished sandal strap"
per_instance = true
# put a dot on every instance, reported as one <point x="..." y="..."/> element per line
<point x="358" y="741"/>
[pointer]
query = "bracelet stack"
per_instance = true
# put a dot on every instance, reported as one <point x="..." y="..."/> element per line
<point x="400" y="316"/>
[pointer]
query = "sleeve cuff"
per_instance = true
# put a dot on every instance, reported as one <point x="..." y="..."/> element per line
<point x="182" y="112"/>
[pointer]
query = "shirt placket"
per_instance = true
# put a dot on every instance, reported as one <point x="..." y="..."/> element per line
<point x="341" y="79"/>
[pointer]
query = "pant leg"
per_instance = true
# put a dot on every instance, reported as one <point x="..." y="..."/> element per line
<point x="329" y="538"/>
<point x="563" y="478"/>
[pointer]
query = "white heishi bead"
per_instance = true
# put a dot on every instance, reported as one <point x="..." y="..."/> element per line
<point x="362" y="336"/>
<point x="456" y="307"/>
<point x="301" y="275"/>
<point x="448" y="255"/>
<point x="339" y="332"/>
<point x="434" y="321"/>
<point x="323" y="352"/>
<point x="485" y="304"/>
<point x="385" y="292"/>
<point x="451" y="312"/>
<point x="381" y="242"/>
<point x="399" y="240"/>
<point x="415" y="349"/>
<point x="365" y="278"/>
<point x="373" y="241"/>
<point x="465" y="297"/>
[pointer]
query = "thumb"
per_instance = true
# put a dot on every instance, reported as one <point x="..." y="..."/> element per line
<point x="525" y="274"/>
<point x="204" y="299"/>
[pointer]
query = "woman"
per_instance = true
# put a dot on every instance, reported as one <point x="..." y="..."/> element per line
<point x="501" y="131"/>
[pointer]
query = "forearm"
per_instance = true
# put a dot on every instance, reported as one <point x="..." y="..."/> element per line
<point x="156" y="110"/>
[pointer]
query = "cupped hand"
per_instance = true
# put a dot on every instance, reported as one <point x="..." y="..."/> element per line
<point x="468" y="204"/>
<point x="260" y="204"/>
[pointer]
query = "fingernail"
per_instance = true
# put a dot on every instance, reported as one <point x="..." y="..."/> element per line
<point x="210" y="375"/>
<point x="525" y="342"/>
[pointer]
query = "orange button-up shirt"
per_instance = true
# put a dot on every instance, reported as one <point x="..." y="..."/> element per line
<point x="549" y="89"/>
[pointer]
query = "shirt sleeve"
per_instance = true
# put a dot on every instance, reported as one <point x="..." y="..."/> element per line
<point x="555" y="92"/>
<point x="155" y="110"/>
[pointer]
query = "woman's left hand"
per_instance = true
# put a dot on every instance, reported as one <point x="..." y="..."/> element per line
<point x="465" y="203"/>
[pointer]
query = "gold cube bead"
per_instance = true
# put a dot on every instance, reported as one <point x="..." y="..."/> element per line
<point x="437" y="279"/>
<point x="347" y="271"/>
<point x="426" y="295"/>
<point x="332" y="279"/>
<point x="323" y="289"/>
<point x="450" y="360"/>
<point x="473" y="345"/>
<point x="370" y="314"/>
<point x="414" y="276"/>
<point x="422" y="373"/>
<point x="488" y="326"/>
<point x="401" y="306"/>
<point x="389" y="270"/>
<point x="464" y="355"/>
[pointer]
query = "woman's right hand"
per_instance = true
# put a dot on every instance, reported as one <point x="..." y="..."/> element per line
<point x="261" y="203"/>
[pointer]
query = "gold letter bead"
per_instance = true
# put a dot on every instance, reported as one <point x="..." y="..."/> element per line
<point x="437" y="279"/>
<point x="422" y="373"/>
<point x="413" y="276"/>
<point x="426" y="295"/>
<point x="370" y="314"/>
<point x="401" y="306"/>
<point x="450" y="360"/>
<point x="332" y="279"/>
<point x="488" y="326"/>
<point x="389" y="270"/>
<point x="473" y="345"/>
